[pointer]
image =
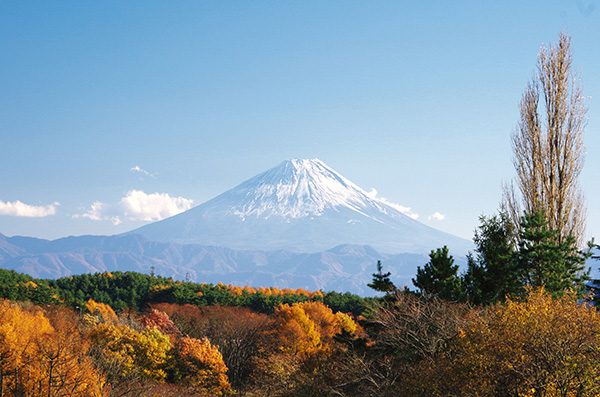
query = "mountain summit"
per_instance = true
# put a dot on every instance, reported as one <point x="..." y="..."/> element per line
<point x="302" y="206"/>
<point x="297" y="189"/>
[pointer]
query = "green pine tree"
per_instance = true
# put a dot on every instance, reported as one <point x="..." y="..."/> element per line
<point x="547" y="259"/>
<point x="381" y="281"/>
<point x="492" y="273"/>
<point x="439" y="277"/>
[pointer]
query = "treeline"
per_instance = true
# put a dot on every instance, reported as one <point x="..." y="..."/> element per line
<point x="517" y="322"/>
<point x="131" y="290"/>
<point x="507" y="259"/>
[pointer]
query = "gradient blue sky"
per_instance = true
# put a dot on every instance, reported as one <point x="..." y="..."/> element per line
<point x="115" y="113"/>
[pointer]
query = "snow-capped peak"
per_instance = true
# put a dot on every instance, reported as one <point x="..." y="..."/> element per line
<point x="301" y="206"/>
<point x="299" y="188"/>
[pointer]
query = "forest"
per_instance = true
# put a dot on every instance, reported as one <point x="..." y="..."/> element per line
<point x="122" y="334"/>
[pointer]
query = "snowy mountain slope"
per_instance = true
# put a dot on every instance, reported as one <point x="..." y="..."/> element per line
<point x="300" y="206"/>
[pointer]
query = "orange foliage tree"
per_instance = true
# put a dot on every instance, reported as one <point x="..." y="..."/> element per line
<point x="308" y="328"/>
<point x="303" y="348"/>
<point x="107" y="314"/>
<point x="201" y="366"/>
<point x="161" y="321"/>
<point x="198" y="363"/>
<point x="39" y="359"/>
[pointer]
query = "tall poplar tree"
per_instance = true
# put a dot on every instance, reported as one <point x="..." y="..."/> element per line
<point x="548" y="149"/>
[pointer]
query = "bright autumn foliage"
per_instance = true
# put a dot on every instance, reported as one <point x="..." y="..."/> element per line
<point x="297" y="333"/>
<point x="202" y="367"/>
<point x="274" y="291"/>
<point x="307" y="328"/>
<point x="62" y="359"/>
<point x="536" y="347"/>
<point x="107" y="313"/>
<point x="346" y="322"/>
<point x="37" y="359"/>
<point x="161" y="321"/>
<point x="144" y="351"/>
<point x="236" y="290"/>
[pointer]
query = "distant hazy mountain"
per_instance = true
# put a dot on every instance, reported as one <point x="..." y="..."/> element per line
<point x="300" y="206"/>
<point x="346" y="268"/>
<point x="300" y="224"/>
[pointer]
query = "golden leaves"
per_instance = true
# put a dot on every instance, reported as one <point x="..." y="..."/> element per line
<point x="539" y="343"/>
<point x="39" y="359"/>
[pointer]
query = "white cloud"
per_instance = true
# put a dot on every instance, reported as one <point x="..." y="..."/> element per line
<point x="139" y="206"/>
<point x="436" y="216"/>
<point x="100" y="211"/>
<point x="17" y="208"/>
<point x="405" y="210"/>
<point x="142" y="171"/>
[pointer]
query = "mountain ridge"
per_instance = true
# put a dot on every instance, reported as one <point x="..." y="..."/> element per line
<point x="345" y="268"/>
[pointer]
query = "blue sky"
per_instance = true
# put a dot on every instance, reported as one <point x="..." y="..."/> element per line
<point x="114" y="114"/>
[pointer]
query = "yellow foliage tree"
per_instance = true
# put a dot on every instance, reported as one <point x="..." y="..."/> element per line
<point x="307" y="328"/>
<point x="106" y="312"/>
<point x="62" y="360"/>
<point x="297" y="333"/>
<point x="124" y="352"/>
<point x="202" y="366"/>
<point x="249" y="290"/>
<point x="346" y="323"/>
<point x="37" y="359"/>
<point x="536" y="347"/>
<point x="236" y="290"/>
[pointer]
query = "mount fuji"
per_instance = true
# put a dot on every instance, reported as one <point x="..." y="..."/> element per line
<point x="300" y="224"/>
<point x="300" y="206"/>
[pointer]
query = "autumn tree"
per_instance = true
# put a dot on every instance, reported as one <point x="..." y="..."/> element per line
<point x="200" y="366"/>
<point x="299" y="360"/>
<point x="548" y="148"/>
<point x="161" y="321"/>
<point x="62" y="360"/>
<point x="126" y="355"/>
<point x="308" y="328"/>
<point x="39" y="357"/>
<point x="538" y="346"/>
<point x="104" y="312"/>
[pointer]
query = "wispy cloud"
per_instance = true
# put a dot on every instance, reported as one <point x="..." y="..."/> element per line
<point x="405" y="210"/>
<point x="139" y="206"/>
<point x="18" y="208"/>
<point x="139" y="170"/>
<point x="436" y="216"/>
<point x="100" y="211"/>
